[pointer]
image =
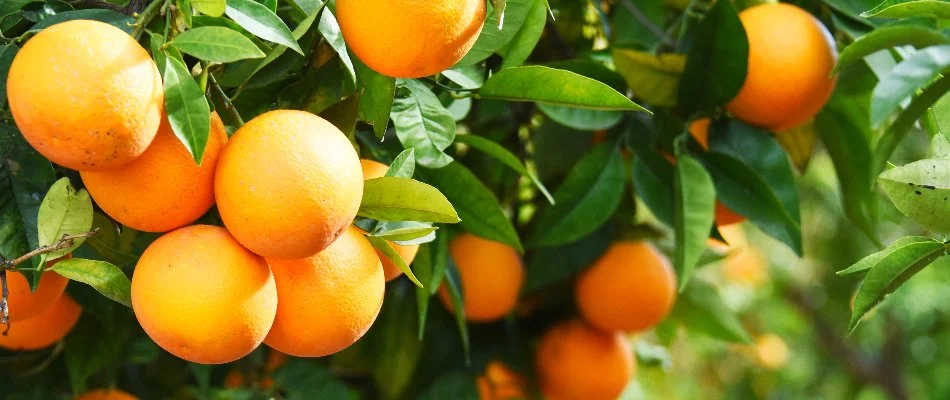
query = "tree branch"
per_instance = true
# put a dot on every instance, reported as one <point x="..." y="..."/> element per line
<point x="64" y="242"/>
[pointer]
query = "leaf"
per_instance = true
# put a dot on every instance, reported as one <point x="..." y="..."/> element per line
<point x="716" y="63"/>
<point x="214" y="8"/>
<point x="906" y="119"/>
<point x="480" y="211"/>
<point x="701" y="309"/>
<point x="887" y="37"/>
<point x="64" y="211"/>
<point x="522" y="44"/>
<point x="901" y="82"/>
<point x="873" y="259"/>
<point x="585" y="119"/>
<point x="404" y="165"/>
<point x="102" y="276"/>
<point x="343" y="114"/>
<point x="376" y="100"/>
<point x="890" y="273"/>
<point x="7" y="52"/>
<point x="395" y="330"/>
<point x="262" y="22"/>
<point x="90" y="348"/>
<point x="564" y="88"/>
<point x="384" y="247"/>
<point x="216" y="44"/>
<point x="502" y="154"/>
<point x="654" y="79"/>
<point x="799" y="143"/>
<point x="653" y="183"/>
<point x="939" y="148"/>
<point x="926" y="8"/>
<point x="695" y="204"/>
<point x="467" y="77"/>
<point x="492" y="39"/>
<point x="552" y="265"/>
<point x="186" y="107"/>
<point x="302" y="380"/>
<point x="453" y="385"/>
<point x="921" y="190"/>
<point x="404" y="233"/>
<point x="330" y="30"/>
<point x="423" y="123"/>
<point x="499" y="11"/>
<point x="455" y="289"/>
<point x="401" y="199"/>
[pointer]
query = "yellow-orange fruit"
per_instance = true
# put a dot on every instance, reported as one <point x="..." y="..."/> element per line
<point x="771" y="351"/>
<point x="630" y="288"/>
<point x="106" y="394"/>
<point x="699" y="129"/>
<point x="328" y="300"/>
<point x="410" y="38"/>
<point x="791" y="55"/>
<point x="491" y="275"/>
<point x="288" y="183"/>
<point x="24" y="304"/>
<point x="375" y="169"/>
<point x="501" y="383"/>
<point x="747" y="267"/>
<point x="202" y="297"/>
<point x="44" y="329"/>
<point x="164" y="188"/>
<point x="575" y="361"/>
<point x="236" y="379"/>
<point x="86" y="95"/>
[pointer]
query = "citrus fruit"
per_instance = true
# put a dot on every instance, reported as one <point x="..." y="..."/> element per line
<point x="410" y="38"/>
<point x="771" y="351"/>
<point x="746" y="267"/>
<point x="491" y="275"/>
<point x="202" y="297"/>
<point x="329" y="300"/>
<point x="44" y="329"/>
<point x="501" y="383"/>
<point x="374" y="169"/>
<point x="23" y="303"/>
<point x="791" y="55"/>
<point x="288" y="183"/>
<point x="85" y="95"/>
<point x="630" y="288"/>
<point x="106" y="394"/>
<point x="576" y="361"/>
<point x="164" y="188"/>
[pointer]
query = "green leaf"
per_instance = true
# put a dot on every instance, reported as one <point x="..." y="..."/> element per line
<point x="102" y="276"/>
<point x="887" y="37"/>
<point x="376" y="100"/>
<point x="921" y="190"/>
<point x="939" y="148"/>
<point x="499" y="11"/>
<point x="585" y="200"/>
<point x="454" y="385"/>
<point x="90" y="348"/>
<point x="586" y="119"/>
<point x="423" y="123"/>
<point x="552" y="265"/>
<point x="695" y="204"/>
<point x="186" y="107"/>
<point x="423" y="269"/>
<point x="890" y="273"/>
<point x="216" y="44"/>
<point x="563" y="88"/>
<point x="343" y="114"/>
<point x="64" y="211"/>
<point x="492" y="38"/>
<point x="467" y="77"/>
<point x="653" y="78"/>
<point x="872" y="259"/>
<point x="716" y="63"/>
<point x="480" y="211"/>
<point x="404" y="165"/>
<point x="395" y="331"/>
<point x="522" y="44"/>
<point x="502" y="154"/>
<point x="330" y="30"/>
<point x="906" y="119"/>
<point x="653" y="183"/>
<point x="214" y="8"/>
<point x="903" y="80"/>
<point x="701" y="309"/>
<point x="262" y="22"/>
<point x="454" y="287"/>
<point x="401" y="199"/>
<point x="116" y="19"/>
<point x="383" y="246"/>
<point x="185" y="12"/>
<point x="920" y="8"/>
<point x="7" y="52"/>
<point x="301" y="379"/>
<point x="404" y="233"/>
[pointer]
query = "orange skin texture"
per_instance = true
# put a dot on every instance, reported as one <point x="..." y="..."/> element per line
<point x="410" y="38"/>
<point x="24" y="304"/>
<point x="500" y="383"/>
<point x="791" y="55"/>
<point x="86" y="95"/>
<point x="288" y="183"/>
<point x="163" y="189"/>
<point x="44" y="329"/>
<point x="699" y="129"/>
<point x="202" y="297"/>
<point x="375" y="169"/>
<point x="491" y="275"/>
<point x="236" y="379"/>
<point x="107" y="394"/>
<point x="576" y="361"/>
<point x="329" y="300"/>
<point x="630" y="288"/>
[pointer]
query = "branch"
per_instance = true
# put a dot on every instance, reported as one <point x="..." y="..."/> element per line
<point x="222" y="104"/>
<point x="642" y="18"/>
<point x="4" y="307"/>
<point x="153" y="9"/>
<point x="64" y="242"/>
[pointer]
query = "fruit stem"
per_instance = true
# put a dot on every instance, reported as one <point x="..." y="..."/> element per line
<point x="64" y="242"/>
<point x="146" y="16"/>
<point x="203" y="77"/>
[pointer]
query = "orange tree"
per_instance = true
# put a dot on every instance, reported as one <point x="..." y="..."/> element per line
<point x="197" y="168"/>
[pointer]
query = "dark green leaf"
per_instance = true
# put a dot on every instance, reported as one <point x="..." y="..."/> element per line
<point x="552" y="265"/>
<point x="383" y="246"/>
<point x="395" y="331"/>
<point x="694" y="214"/>
<point x="872" y="259"/>
<point x="64" y="211"/>
<point x="563" y="88"/>
<point x="585" y="119"/>
<point x="91" y="347"/>
<point x="102" y="276"/>
<point x="262" y="22"/>
<point x="454" y="385"/>
<point x="456" y="292"/>
<point x="401" y="199"/>
<point x="423" y="123"/>
<point x="522" y="44"/>
<point x="186" y="107"/>
<point x="887" y="37"/>
<point x="7" y="52"/>
<point x="919" y="8"/>
<point x="901" y="82"/>
<point x="116" y="19"/>
<point x="330" y="30"/>
<point x="653" y="182"/>
<point x="701" y="309"/>
<point x="216" y="44"/>
<point x="343" y="114"/>
<point x="376" y="100"/>
<point x="492" y="38"/>
<point x="717" y="60"/>
<point x="502" y="154"/>
<point x="302" y="380"/>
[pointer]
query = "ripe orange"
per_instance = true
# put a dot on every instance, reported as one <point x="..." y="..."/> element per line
<point x="24" y="304"/>
<point x="791" y="55"/>
<point x="771" y="351"/>
<point x="410" y="38"/>
<point x="328" y="300"/>
<point x="747" y="268"/>
<point x="699" y="129"/>
<point x="501" y="383"/>
<point x="630" y="288"/>
<point x="374" y="169"/>
<point x="236" y="379"/>
<point x="164" y="188"/>
<point x="44" y="329"/>
<point x="575" y="361"/>
<point x="107" y="394"/>
<point x="491" y="275"/>
<point x="202" y="297"/>
<point x="288" y="184"/>
<point x="86" y="95"/>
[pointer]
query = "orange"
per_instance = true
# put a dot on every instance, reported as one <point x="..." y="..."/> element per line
<point x="202" y="297"/>
<point x="491" y="275"/>
<point x="275" y="359"/>
<point x="410" y="38"/>
<point x="164" y="188"/>
<point x="329" y="300"/>
<point x="746" y="268"/>
<point x="575" y="361"/>
<point x="374" y="169"/>
<point x="501" y="383"/>
<point x="23" y="303"/>
<point x="791" y="55"/>
<point x="630" y="288"/>
<point x="86" y="95"/>
<point x="44" y="329"/>
<point x="699" y="129"/>
<point x="771" y="351"/>
<point x="288" y="184"/>
<point x="107" y="394"/>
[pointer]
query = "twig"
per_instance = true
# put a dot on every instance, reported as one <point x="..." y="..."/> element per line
<point x="95" y="4"/>
<point x="640" y="16"/>
<point x="222" y="104"/>
<point x="64" y="242"/>
<point x="146" y="16"/>
<point x="4" y="294"/>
